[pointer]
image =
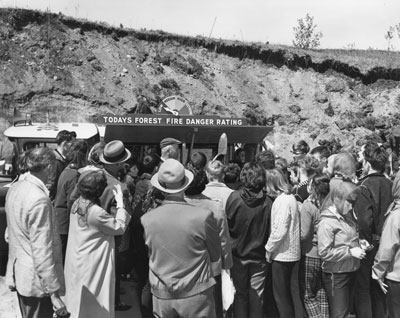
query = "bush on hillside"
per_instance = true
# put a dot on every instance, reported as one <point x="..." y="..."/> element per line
<point x="305" y="35"/>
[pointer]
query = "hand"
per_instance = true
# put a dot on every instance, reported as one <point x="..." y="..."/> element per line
<point x="357" y="252"/>
<point x="118" y="195"/>
<point x="268" y="257"/>
<point x="382" y="285"/>
<point x="58" y="305"/>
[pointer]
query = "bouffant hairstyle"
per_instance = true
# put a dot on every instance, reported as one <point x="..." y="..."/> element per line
<point x="266" y="159"/>
<point x="309" y="164"/>
<point x="276" y="183"/>
<point x="91" y="185"/>
<point x="376" y="156"/>
<point x="198" y="160"/>
<point x="344" y="165"/>
<point x="232" y="172"/>
<point x="76" y="154"/>
<point x="148" y="164"/>
<point x="319" y="187"/>
<point x="215" y="170"/>
<point x="252" y="176"/>
<point x="300" y="148"/>
<point x="38" y="159"/>
<point x="199" y="182"/>
<point x="94" y="154"/>
<point x="347" y="191"/>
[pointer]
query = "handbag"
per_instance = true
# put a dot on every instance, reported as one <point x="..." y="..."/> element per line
<point x="228" y="289"/>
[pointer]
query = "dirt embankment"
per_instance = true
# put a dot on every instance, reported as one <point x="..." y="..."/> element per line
<point x="78" y="70"/>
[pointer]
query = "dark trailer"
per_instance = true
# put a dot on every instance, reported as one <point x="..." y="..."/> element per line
<point x="197" y="133"/>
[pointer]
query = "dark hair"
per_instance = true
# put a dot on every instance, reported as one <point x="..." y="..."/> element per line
<point x="322" y="150"/>
<point x="76" y="155"/>
<point x="237" y="153"/>
<point x="252" y="176"/>
<point x="38" y="159"/>
<point x="320" y="187"/>
<point x="375" y="155"/>
<point x="65" y="135"/>
<point x="149" y="163"/>
<point x="266" y="159"/>
<point x="232" y="172"/>
<point x="94" y="154"/>
<point x="300" y="148"/>
<point x="91" y="185"/>
<point x="199" y="182"/>
<point x="309" y="164"/>
<point x="198" y="160"/>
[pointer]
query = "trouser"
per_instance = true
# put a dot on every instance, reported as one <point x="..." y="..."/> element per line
<point x="299" y="311"/>
<point x="249" y="280"/>
<point x="34" y="307"/>
<point x="369" y="298"/>
<point x="313" y="291"/>
<point x="338" y="287"/>
<point x="218" y="296"/>
<point x="281" y="284"/>
<point x="393" y="298"/>
<point x="199" y="306"/>
<point x="64" y="241"/>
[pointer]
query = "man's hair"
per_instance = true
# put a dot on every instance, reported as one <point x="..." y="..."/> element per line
<point x="266" y="159"/>
<point x="344" y="165"/>
<point x="149" y="163"/>
<point x="232" y="172"/>
<point x="38" y="159"/>
<point x="92" y="185"/>
<point x="215" y="169"/>
<point x="309" y="164"/>
<point x="64" y="135"/>
<point x="322" y="150"/>
<point x="198" y="160"/>
<point x="375" y="155"/>
<point x="252" y="176"/>
<point x="167" y="150"/>
<point x="300" y="147"/>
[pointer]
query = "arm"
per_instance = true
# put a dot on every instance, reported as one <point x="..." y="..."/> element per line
<point x="326" y="242"/>
<point x="281" y="222"/>
<point x="41" y="241"/>
<point x="112" y="225"/>
<point x="363" y="209"/>
<point x="212" y="238"/>
<point x="389" y="245"/>
<point x="307" y="219"/>
<point x="226" y="248"/>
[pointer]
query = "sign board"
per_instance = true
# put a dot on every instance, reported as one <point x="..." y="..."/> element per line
<point x="175" y="105"/>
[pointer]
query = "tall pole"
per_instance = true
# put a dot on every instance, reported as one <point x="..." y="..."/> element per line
<point x="212" y="28"/>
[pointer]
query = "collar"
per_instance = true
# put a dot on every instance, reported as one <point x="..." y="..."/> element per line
<point x="216" y="184"/>
<point x="374" y="174"/>
<point x="334" y="211"/>
<point x="305" y="182"/>
<point x="32" y="179"/>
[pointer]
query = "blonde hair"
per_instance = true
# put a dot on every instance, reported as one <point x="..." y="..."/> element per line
<point x="276" y="183"/>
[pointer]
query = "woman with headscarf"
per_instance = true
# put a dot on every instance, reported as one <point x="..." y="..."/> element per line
<point x="89" y="264"/>
<point x="386" y="269"/>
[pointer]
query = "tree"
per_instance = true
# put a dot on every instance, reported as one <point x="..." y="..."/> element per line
<point x="305" y="34"/>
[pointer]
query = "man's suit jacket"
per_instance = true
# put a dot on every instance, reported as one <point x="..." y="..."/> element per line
<point x="35" y="261"/>
<point x="183" y="240"/>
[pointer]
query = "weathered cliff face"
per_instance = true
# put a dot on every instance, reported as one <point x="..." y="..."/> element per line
<point x="78" y="70"/>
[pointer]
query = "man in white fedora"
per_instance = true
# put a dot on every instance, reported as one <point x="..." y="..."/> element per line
<point x="183" y="241"/>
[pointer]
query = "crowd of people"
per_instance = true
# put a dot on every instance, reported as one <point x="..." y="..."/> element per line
<point x="316" y="235"/>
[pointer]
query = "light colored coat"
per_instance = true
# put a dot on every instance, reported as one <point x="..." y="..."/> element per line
<point x="35" y="260"/>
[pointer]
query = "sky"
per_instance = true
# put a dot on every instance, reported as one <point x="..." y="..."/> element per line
<point x="359" y="24"/>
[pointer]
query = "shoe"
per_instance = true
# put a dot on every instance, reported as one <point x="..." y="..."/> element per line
<point x="122" y="307"/>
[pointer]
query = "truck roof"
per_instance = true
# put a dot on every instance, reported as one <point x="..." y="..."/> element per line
<point x="50" y="130"/>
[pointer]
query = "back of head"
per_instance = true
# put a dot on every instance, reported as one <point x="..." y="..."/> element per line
<point x="337" y="195"/>
<point x="64" y="135"/>
<point x="76" y="154"/>
<point x="319" y="187"/>
<point x="92" y="184"/>
<point x="344" y="165"/>
<point x="149" y="164"/>
<point x="252" y="176"/>
<point x="375" y="155"/>
<point x="266" y="159"/>
<point x="276" y="183"/>
<point x="300" y="148"/>
<point x="198" y="160"/>
<point x="232" y="172"/>
<point x="322" y="152"/>
<point x="215" y="170"/>
<point x="38" y="159"/>
<point x="199" y="182"/>
<point x="309" y="165"/>
<point x="94" y="154"/>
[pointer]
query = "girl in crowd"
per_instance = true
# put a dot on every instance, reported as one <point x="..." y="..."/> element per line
<point x="248" y="211"/>
<point x="89" y="264"/>
<point x="283" y="246"/>
<point x="315" y="299"/>
<point x="338" y="247"/>
<point x="386" y="269"/>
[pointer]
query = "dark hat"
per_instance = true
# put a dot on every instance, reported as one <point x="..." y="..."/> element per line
<point x="172" y="177"/>
<point x="114" y="152"/>
<point x="169" y="141"/>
